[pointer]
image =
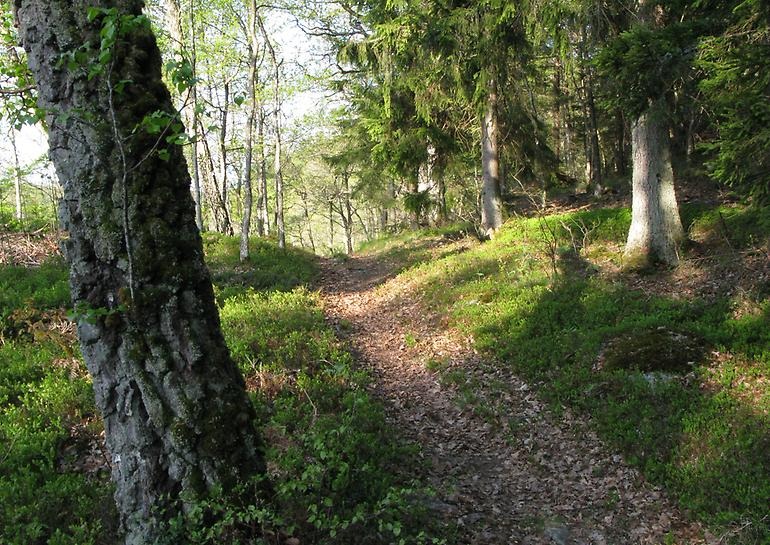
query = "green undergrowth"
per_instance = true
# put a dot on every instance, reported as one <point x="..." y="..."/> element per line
<point x="409" y="248"/>
<point x="39" y="208"/>
<point x="44" y="394"/>
<point x="339" y="474"/>
<point x="268" y="267"/>
<point x="336" y="468"/>
<point x="674" y="379"/>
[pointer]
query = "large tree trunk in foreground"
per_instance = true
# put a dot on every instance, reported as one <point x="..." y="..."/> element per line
<point x="177" y="418"/>
<point x="656" y="229"/>
<point x="491" y="200"/>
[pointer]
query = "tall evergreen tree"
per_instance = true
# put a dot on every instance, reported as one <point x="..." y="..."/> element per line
<point x="643" y="62"/>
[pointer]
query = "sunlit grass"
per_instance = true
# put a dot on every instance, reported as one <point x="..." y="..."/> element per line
<point x="548" y="297"/>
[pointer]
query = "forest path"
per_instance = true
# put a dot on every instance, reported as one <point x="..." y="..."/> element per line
<point x="504" y="468"/>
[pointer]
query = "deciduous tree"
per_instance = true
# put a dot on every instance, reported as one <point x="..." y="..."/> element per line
<point x="177" y="418"/>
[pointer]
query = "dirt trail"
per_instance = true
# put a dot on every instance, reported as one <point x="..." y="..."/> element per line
<point x="508" y="472"/>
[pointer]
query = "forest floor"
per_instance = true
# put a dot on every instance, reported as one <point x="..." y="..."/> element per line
<point x="519" y="475"/>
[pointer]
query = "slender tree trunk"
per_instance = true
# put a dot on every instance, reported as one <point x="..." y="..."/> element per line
<point x="189" y="113"/>
<point x="308" y="221"/>
<point x="620" y="164"/>
<point x="218" y="208"/>
<point x="347" y="213"/>
<point x="443" y="212"/>
<point x="427" y="182"/>
<point x="178" y="421"/>
<point x="593" y="168"/>
<point x="251" y="32"/>
<point x="196" y="179"/>
<point x="263" y="204"/>
<point x="277" y="172"/>
<point x="16" y="177"/>
<point x="331" y="226"/>
<point x="364" y="227"/>
<point x="656" y="229"/>
<point x="556" y="112"/>
<point x="491" y="200"/>
<point x="594" y="159"/>
<point x="223" y="160"/>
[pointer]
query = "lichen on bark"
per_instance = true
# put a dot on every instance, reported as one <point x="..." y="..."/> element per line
<point x="177" y="418"/>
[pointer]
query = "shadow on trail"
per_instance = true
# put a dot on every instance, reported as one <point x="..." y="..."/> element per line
<point x="361" y="273"/>
<point x="505" y="469"/>
<point x="669" y="408"/>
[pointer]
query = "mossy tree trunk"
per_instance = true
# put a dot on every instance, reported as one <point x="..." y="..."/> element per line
<point x="177" y="418"/>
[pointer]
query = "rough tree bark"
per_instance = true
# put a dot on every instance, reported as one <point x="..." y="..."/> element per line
<point x="177" y="418"/>
<point x="656" y="229"/>
<point x="491" y="200"/>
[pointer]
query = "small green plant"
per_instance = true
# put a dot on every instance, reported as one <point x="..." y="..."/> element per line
<point x="410" y="340"/>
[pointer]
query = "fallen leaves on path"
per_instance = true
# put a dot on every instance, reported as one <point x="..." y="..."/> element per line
<point x="505" y="469"/>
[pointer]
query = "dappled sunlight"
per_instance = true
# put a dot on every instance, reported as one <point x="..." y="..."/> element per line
<point x="493" y="444"/>
<point x="681" y="424"/>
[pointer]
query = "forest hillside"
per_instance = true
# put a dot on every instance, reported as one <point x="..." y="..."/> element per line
<point x="384" y="272"/>
<point x="639" y="401"/>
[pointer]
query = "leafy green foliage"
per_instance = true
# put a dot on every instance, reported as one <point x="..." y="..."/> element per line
<point x="417" y="203"/>
<point x="642" y="64"/>
<point x="268" y="268"/>
<point x="37" y="289"/>
<point x="20" y="105"/>
<point x="336" y="464"/>
<point x="39" y="403"/>
<point x="736" y="83"/>
<point x="412" y="247"/>
<point x="38" y="203"/>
